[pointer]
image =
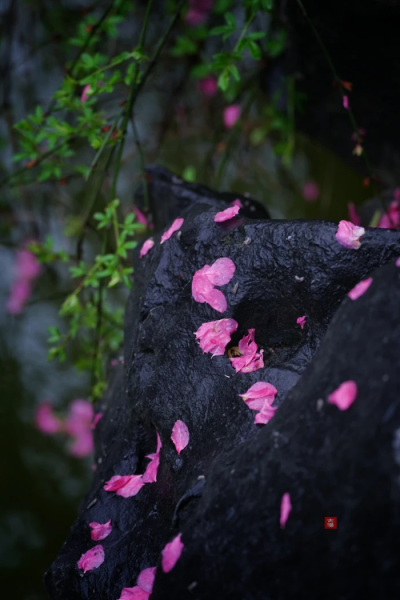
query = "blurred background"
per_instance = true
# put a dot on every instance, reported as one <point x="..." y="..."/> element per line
<point x="244" y="96"/>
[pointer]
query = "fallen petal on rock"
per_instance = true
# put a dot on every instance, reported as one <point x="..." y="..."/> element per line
<point x="344" y="396"/>
<point x="92" y="559"/>
<point x="360" y="289"/>
<point x="171" y="553"/>
<point x="180" y="436"/>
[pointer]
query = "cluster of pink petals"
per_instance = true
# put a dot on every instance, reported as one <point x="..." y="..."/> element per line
<point x="310" y="191"/>
<point x="286" y="507"/>
<point x="150" y="474"/>
<point x="176" y="225"/>
<point x="198" y="12"/>
<point x="129" y="485"/>
<point x="344" y="396"/>
<point x="204" y="280"/>
<point x="79" y="426"/>
<point x="91" y="559"/>
<point x="144" y="586"/>
<point x="146" y="247"/>
<point x="171" y="553"/>
<point x="46" y="421"/>
<point x="259" y="397"/>
<point x="301" y="321"/>
<point x="360" y="289"/>
<point x="215" y="335"/>
<point x="100" y="531"/>
<point x="348" y="235"/>
<point x="27" y="269"/>
<point x="237" y="202"/>
<point x="226" y="214"/>
<point x="180" y="436"/>
<point x="251" y="360"/>
<point x="85" y="93"/>
<point x="231" y="115"/>
<point x="391" y="218"/>
<point x="207" y="86"/>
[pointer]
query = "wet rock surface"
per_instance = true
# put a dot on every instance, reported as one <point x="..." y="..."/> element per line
<point x="223" y="492"/>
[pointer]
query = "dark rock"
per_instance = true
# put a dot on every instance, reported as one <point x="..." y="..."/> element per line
<point x="333" y="463"/>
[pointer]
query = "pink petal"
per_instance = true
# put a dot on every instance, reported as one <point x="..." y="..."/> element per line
<point x="231" y="115"/>
<point x="116" y="482"/>
<point x="140" y="217"/>
<point x="348" y="235"/>
<point x="171" y="553"/>
<point x="286" y="507"/>
<point x="27" y="265"/>
<point x="159" y="444"/>
<point x="360" y="289"/>
<point x="180" y="436"/>
<point x="215" y="335"/>
<point x="301" y="321"/>
<point x="20" y="292"/>
<point x="346" y="102"/>
<point x="46" y="421"/>
<point x="201" y="285"/>
<point x="150" y="474"/>
<point x="344" y="396"/>
<point x="353" y="215"/>
<point x="391" y="218"/>
<point x="82" y="444"/>
<point x="250" y="360"/>
<point x="208" y="86"/>
<point x="80" y="417"/>
<point x="132" y="487"/>
<point x="146" y="247"/>
<point x="100" y="531"/>
<point x="226" y="214"/>
<point x="221" y="271"/>
<point x="96" y="420"/>
<point x="92" y="559"/>
<point x="177" y="224"/>
<point x="146" y="579"/>
<point x="265" y="415"/>
<point x="310" y="191"/>
<point x="237" y="203"/>
<point x="134" y="593"/>
<point x="217" y="300"/>
<point x="262" y="390"/>
<point x="398" y="262"/>
<point x="85" y="93"/>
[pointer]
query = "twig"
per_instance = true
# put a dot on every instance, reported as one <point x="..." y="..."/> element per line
<point x="141" y="161"/>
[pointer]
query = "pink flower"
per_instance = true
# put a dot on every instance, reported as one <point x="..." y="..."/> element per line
<point x="96" y="420"/>
<point x="286" y="507"/>
<point x="310" y="191"/>
<point x="250" y="360"/>
<point x="215" y="335"/>
<point x="204" y="280"/>
<point x="20" y="292"/>
<point x="85" y="93"/>
<point x="391" y="218"/>
<point x="177" y="224"/>
<point x="360" y="289"/>
<point x="92" y="559"/>
<point x="140" y="217"/>
<point x="226" y="214"/>
<point x="398" y="262"/>
<point x="99" y="531"/>
<point x="27" y="265"/>
<point x="301" y="321"/>
<point x="259" y="397"/>
<point x="344" y="396"/>
<point x="143" y="588"/>
<point x="346" y="102"/>
<point x="146" y="247"/>
<point x="150" y="474"/>
<point x="180" y="436"/>
<point x="207" y="86"/>
<point x="80" y="417"/>
<point x="348" y="235"/>
<point x="124" y="485"/>
<point x="45" y="419"/>
<point x="198" y="12"/>
<point x="171" y="554"/>
<point x="82" y="444"/>
<point x="353" y="216"/>
<point x="237" y="203"/>
<point x="231" y="115"/>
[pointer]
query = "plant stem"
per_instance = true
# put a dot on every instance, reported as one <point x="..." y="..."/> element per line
<point x="142" y="167"/>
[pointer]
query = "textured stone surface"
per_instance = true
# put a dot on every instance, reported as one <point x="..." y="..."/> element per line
<point x="333" y="463"/>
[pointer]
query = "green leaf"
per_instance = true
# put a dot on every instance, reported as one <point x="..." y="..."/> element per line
<point x="254" y="49"/>
<point x="223" y="80"/>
